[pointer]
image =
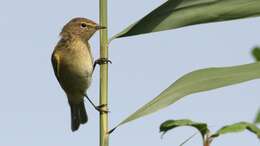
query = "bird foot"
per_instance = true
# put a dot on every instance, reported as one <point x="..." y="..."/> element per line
<point x="100" y="108"/>
<point x="102" y="61"/>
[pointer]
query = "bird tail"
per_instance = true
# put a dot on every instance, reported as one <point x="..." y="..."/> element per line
<point x="78" y="115"/>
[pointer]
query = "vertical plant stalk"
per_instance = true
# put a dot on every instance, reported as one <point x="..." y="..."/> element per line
<point x="207" y="140"/>
<point x="103" y="73"/>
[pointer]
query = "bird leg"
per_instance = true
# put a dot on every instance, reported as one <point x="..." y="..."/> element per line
<point x="101" y="61"/>
<point x="98" y="108"/>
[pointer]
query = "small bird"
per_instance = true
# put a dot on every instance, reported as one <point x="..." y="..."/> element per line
<point x="73" y="66"/>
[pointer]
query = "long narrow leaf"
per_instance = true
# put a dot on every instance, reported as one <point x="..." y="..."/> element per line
<point x="238" y="127"/>
<point x="179" y="13"/>
<point x="257" y="118"/>
<point x="171" y="124"/>
<point x="198" y="81"/>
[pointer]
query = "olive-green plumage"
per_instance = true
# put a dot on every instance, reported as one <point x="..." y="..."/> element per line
<point x="73" y="65"/>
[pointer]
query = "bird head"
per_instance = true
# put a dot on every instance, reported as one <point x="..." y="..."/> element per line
<point x="82" y="28"/>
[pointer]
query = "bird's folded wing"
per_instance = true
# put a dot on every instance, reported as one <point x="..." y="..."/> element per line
<point x="55" y="60"/>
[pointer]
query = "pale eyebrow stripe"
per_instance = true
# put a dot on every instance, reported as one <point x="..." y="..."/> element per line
<point x="90" y="24"/>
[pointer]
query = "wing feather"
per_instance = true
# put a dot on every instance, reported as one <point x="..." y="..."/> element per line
<point x="55" y="59"/>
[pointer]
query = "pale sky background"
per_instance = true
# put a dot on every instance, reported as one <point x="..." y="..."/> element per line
<point x="34" y="110"/>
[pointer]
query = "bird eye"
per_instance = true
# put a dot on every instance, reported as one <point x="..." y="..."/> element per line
<point x="83" y="25"/>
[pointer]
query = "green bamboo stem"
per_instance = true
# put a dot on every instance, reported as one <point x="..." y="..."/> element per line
<point x="103" y="73"/>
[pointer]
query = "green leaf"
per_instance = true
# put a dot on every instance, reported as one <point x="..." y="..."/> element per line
<point x="256" y="53"/>
<point x="257" y="119"/>
<point x="197" y="81"/>
<point x="179" y="13"/>
<point x="238" y="127"/>
<point x="171" y="124"/>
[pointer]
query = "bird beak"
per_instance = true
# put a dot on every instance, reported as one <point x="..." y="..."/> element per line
<point x="100" y="27"/>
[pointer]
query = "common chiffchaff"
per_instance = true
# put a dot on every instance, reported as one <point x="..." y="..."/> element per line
<point x="72" y="62"/>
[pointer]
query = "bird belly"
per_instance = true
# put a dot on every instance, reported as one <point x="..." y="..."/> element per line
<point x="76" y="76"/>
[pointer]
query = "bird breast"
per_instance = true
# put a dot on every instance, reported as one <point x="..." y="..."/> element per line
<point x="76" y="68"/>
<point x="80" y="59"/>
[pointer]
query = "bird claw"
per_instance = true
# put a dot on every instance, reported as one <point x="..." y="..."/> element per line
<point x="102" y="61"/>
<point x="100" y="108"/>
